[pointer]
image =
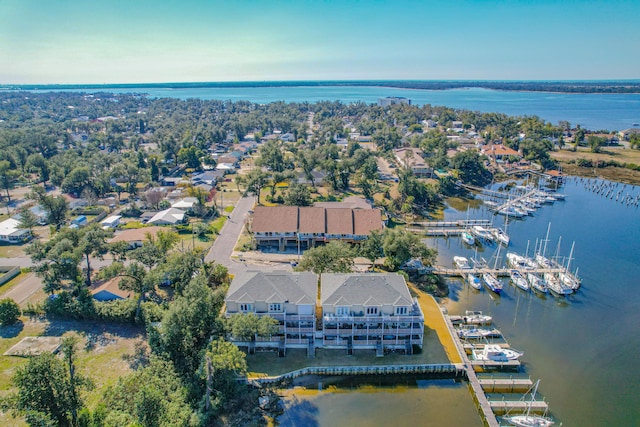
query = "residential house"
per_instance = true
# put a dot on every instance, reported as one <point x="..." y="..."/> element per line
<point x="79" y="221"/>
<point x="110" y="291"/>
<point x="136" y="237"/>
<point x="290" y="298"/>
<point x="288" y="137"/>
<point x="111" y="222"/>
<point x="171" y="216"/>
<point x="210" y="177"/>
<point x="500" y="153"/>
<point x="413" y="158"/>
<point x="185" y="204"/>
<point x="369" y="311"/>
<point x="11" y="232"/>
<point x="625" y="134"/>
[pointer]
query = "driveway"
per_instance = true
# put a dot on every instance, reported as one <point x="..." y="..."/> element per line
<point x="223" y="246"/>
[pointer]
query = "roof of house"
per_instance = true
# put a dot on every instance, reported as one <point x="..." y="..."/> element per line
<point x="339" y="221"/>
<point x="415" y="161"/>
<point x="276" y="219"/>
<point x="112" y="286"/>
<point x="364" y="289"/>
<point x="312" y="220"/>
<point x="135" y="234"/>
<point x="186" y="203"/>
<point x="365" y="221"/>
<point x="11" y="226"/>
<point x="111" y="219"/>
<point x="171" y="216"/>
<point x="274" y="286"/>
<point x="501" y="150"/>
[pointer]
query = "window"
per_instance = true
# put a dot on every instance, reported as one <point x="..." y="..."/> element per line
<point x="342" y="311"/>
<point x="372" y="310"/>
<point x="401" y="310"/>
<point x="245" y="307"/>
<point x="275" y="307"/>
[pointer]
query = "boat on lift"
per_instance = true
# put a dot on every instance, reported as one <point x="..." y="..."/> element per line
<point x="472" y="332"/>
<point x="495" y="353"/>
<point x="476" y="318"/>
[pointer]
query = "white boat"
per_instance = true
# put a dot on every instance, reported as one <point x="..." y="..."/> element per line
<point x="518" y="279"/>
<point x="537" y="283"/>
<point x="555" y="286"/>
<point x="476" y="318"/>
<point x="501" y="236"/>
<point x="495" y="353"/>
<point x="461" y="262"/>
<point x="492" y="282"/>
<point x="482" y="233"/>
<point x="511" y="211"/>
<point x="468" y="238"/>
<point x="528" y="419"/>
<point x="473" y="332"/>
<point x="569" y="280"/>
<point x="474" y="281"/>
<point x="518" y="261"/>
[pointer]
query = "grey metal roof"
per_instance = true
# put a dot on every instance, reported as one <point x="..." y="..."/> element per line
<point x="364" y="289"/>
<point x="274" y="286"/>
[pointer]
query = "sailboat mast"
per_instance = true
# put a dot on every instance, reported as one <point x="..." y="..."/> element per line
<point x="570" y="256"/>
<point x="546" y="240"/>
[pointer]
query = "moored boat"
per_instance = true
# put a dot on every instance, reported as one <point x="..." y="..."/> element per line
<point x="476" y="318"/>
<point x="473" y="332"/>
<point x="555" y="286"/>
<point x="468" y="238"/>
<point x="518" y="279"/>
<point x="528" y="419"/>
<point x="461" y="262"/>
<point x="501" y="236"/>
<point x="492" y="282"/>
<point x="537" y="283"/>
<point x="474" y="281"/>
<point x="482" y="233"/>
<point x="495" y="353"/>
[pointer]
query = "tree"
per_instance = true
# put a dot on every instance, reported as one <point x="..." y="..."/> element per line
<point x="255" y="181"/>
<point x="38" y="163"/>
<point x="400" y="246"/>
<point x="153" y="197"/>
<point x="371" y="248"/>
<point x="7" y="177"/>
<point x="222" y="365"/>
<point x="297" y="195"/>
<point x="272" y="157"/>
<point x="92" y="243"/>
<point x="334" y="257"/>
<point x="471" y="168"/>
<point x="249" y="326"/>
<point x="46" y="390"/>
<point x="9" y="311"/>
<point x="191" y="157"/>
<point x="55" y="206"/>
<point x="28" y="219"/>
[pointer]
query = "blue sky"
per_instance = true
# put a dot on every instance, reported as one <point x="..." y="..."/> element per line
<point x="113" y="41"/>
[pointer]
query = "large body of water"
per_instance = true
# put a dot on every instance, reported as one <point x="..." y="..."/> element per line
<point x="584" y="349"/>
<point x="591" y="111"/>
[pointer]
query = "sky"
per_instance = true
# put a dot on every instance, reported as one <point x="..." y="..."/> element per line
<point x="156" y="41"/>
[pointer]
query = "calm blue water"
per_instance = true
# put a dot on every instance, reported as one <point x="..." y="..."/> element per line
<point x="591" y="111"/>
<point x="584" y="349"/>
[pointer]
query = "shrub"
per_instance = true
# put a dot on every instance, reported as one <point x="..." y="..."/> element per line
<point x="9" y="311"/>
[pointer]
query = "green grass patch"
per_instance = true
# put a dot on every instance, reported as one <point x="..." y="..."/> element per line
<point x="229" y="208"/>
<point x="269" y="364"/>
<point x="131" y="225"/>
<point x="217" y="224"/>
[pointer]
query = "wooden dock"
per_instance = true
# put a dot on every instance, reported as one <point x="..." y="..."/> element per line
<point x="484" y="406"/>
<point x="505" y="385"/>
<point x="501" y="407"/>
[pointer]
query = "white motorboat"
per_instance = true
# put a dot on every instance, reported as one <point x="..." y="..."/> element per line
<point x="473" y="332"/>
<point x="461" y="262"/>
<point x="518" y="279"/>
<point x="501" y="236"/>
<point x="537" y="283"/>
<point x="492" y="282"/>
<point x="476" y="318"/>
<point x="495" y="353"/>
<point x="468" y="238"/>
<point x="511" y="212"/>
<point x="528" y="419"/>
<point x="474" y="281"/>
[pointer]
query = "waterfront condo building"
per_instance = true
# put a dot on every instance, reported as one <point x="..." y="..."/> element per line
<point x="369" y="311"/>
<point x="290" y="298"/>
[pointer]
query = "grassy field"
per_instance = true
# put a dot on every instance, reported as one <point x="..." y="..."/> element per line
<point x="617" y="154"/>
<point x="100" y="355"/>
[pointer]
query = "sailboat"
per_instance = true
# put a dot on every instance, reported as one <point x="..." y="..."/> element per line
<point x="528" y="419"/>
<point x="490" y="279"/>
<point x="467" y="237"/>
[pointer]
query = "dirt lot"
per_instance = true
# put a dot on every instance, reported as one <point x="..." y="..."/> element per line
<point x="617" y="154"/>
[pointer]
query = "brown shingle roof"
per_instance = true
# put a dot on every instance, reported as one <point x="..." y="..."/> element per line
<point x="135" y="234"/>
<point x="366" y="220"/>
<point x="275" y="219"/>
<point x="339" y="221"/>
<point x="112" y="286"/>
<point x="312" y="220"/>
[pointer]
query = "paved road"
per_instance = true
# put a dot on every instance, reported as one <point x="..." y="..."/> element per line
<point x="23" y="290"/>
<point x="223" y="246"/>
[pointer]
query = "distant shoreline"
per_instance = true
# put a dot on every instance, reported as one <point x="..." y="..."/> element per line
<point x="570" y="87"/>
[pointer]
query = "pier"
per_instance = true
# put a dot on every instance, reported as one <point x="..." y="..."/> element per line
<point x="505" y="385"/>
